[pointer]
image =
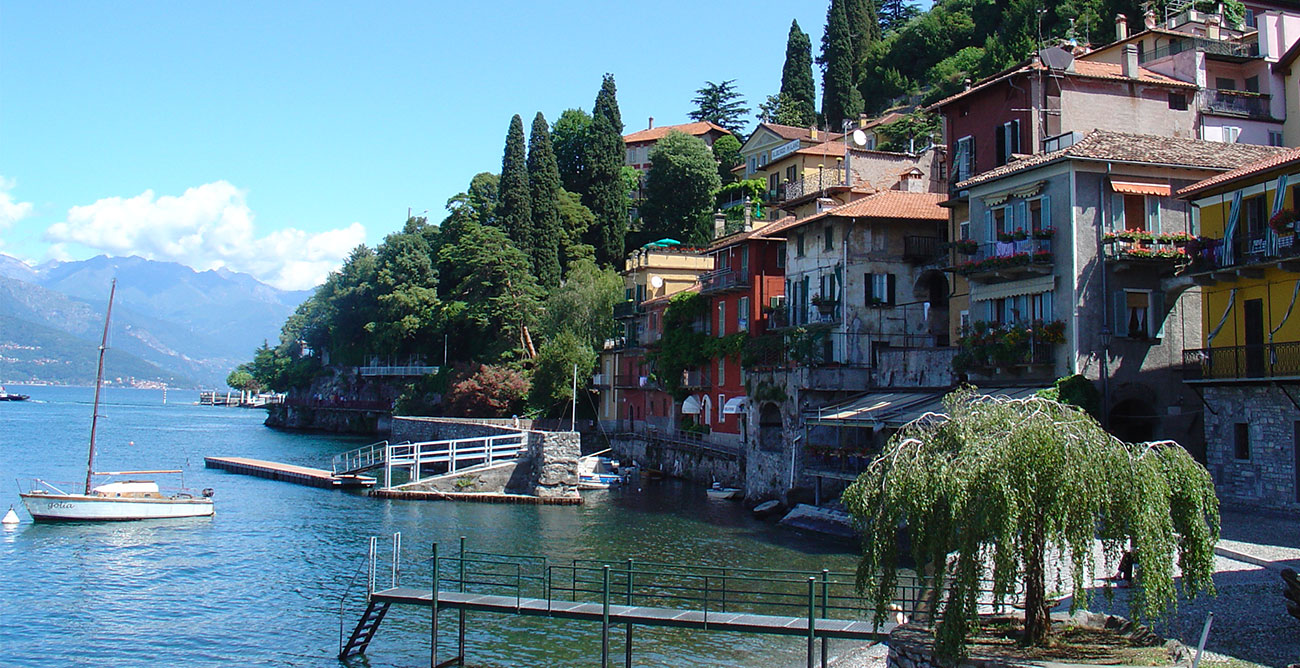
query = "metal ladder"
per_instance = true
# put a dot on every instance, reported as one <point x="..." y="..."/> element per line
<point x="368" y="625"/>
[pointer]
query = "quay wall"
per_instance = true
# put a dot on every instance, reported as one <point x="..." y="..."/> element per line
<point x="678" y="459"/>
<point x="335" y="420"/>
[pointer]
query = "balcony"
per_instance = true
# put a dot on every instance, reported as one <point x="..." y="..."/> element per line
<point x="828" y="178"/>
<point x="1212" y="261"/>
<point x="1136" y="249"/>
<point x="1237" y="103"/>
<point x="600" y="380"/>
<point x="723" y="280"/>
<point x="630" y="381"/>
<point x="1254" y="362"/>
<point x="922" y="250"/>
<point x="628" y="309"/>
<point x="1001" y="261"/>
<point x="1214" y="48"/>
<point x="696" y="379"/>
<point x="995" y="349"/>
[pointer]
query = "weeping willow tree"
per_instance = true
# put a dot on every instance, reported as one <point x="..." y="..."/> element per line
<point x="1000" y="484"/>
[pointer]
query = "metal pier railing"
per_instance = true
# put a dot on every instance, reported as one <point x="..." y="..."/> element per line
<point x="448" y="456"/>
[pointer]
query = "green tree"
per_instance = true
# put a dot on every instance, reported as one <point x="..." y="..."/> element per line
<point x="496" y="297"/>
<point x="514" y="210"/>
<point x="482" y="390"/>
<point x="1000" y="482"/>
<point x="800" y="107"/>
<point x="551" y="392"/>
<point x="544" y="185"/>
<point x="584" y="304"/>
<point x="476" y="205"/>
<point x="841" y="99"/>
<point x="913" y="132"/>
<point x="569" y="136"/>
<point x="575" y="220"/>
<point x="606" y="195"/>
<point x="346" y="306"/>
<point x="726" y="150"/>
<point x="406" y="281"/>
<point x="864" y="30"/>
<point x="894" y="14"/>
<point x="722" y="105"/>
<point x="242" y="380"/>
<point x="681" y="189"/>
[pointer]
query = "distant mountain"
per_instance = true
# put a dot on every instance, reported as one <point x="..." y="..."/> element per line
<point x="34" y="352"/>
<point x="192" y="324"/>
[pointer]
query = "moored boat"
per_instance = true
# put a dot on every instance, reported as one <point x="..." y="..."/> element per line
<point x="11" y="396"/>
<point x="115" y="501"/>
<point x="717" y="491"/>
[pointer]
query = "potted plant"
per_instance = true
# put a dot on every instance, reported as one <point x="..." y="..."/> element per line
<point x="966" y="246"/>
<point x="1283" y="220"/>
<point x="825" y="305"/>
<point x="1019" y="234"/>
<point x="1044" y="233"/>
<point x="1006" y="237"/>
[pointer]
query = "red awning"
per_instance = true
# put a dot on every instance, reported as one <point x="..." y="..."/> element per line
<point x="1132" y="187"/>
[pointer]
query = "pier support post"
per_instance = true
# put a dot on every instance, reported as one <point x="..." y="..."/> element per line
<point x="604" y="620"/>
<point x="627" y="650"/>
<point x="825" y="600"/>
<point x="460" y="628"/>
<point x="433" y="628"/>
<point x="812" y="619"/>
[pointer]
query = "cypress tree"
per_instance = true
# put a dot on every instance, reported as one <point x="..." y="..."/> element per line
<point x="544" y="186"/>
<point x="606" y="189"/>
<point x="864" y="28"/>
<point x="514" y="213"/>
<point x="840" y="97"/>
<point x="797" y="76"/>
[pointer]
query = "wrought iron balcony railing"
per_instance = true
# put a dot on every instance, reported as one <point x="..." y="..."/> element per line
<point x="723" y="279"/>
<point x="1238" y="103"/>
<point x="1249" y="362"/>
<point x="921" y="249"/>
<point x="1007" y="259"/>
<point x="627" y="309"/>
<point x="809" y="185"/>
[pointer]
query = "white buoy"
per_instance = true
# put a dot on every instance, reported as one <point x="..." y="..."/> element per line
<point x="10" y="517"/>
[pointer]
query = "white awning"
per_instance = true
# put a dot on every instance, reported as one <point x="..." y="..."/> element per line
<point x="691" y="406"/>
<point x="735" y="406"/>
<point x="895" y="409"/>
<point x="983" y="292"/>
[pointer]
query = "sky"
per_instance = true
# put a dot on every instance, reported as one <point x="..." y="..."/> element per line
<point x="272" y="138"/>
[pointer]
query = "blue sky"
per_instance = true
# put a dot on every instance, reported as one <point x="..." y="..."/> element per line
<point x="271" y="137"/>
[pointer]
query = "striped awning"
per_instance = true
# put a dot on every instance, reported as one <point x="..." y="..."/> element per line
<point x="1038" y="285"/>
<point x="893" y="410"/>
<point x="1140" y="187"/>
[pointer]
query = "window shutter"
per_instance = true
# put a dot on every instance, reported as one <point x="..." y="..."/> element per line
<point x="890" y="283"/>
<point x="1158" y="313"/>
<point x="1022" y="216"/>
<point x="1002" y="144"/>
<point x="1046" y="212"/>
<point x="1116" y="212"/>
<point x="870" y="283"/>
<point x="1120" y="326"/>
<point x="990" y="234"/>
<point x="1015" y="136"/>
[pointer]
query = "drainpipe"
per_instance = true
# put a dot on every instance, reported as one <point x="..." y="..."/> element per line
<point x="1105" y="307"/>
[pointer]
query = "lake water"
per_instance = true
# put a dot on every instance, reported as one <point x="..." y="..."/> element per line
<point x="259" y="583"/>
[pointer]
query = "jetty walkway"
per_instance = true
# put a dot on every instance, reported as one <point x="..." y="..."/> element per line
<point x="816" y="605"/>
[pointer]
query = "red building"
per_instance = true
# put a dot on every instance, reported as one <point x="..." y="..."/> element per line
<point x="747" y="282"/>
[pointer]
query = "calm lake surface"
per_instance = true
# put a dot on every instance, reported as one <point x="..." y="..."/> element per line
<point x="260" y="583"/>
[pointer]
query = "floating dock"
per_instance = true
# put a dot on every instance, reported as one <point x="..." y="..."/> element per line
<point x="301" y="475"/>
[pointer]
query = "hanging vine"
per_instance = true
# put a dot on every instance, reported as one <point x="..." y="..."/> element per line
<point x="999" y="484"/>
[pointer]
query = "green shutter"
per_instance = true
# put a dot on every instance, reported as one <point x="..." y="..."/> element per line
<point x="1158" y="313"/>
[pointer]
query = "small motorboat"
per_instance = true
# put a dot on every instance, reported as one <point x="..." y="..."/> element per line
<point x="595" y="471"/>
<point x="717" y="491"/>
<point x="767" y="508"/>
<point x="10" y="396"/>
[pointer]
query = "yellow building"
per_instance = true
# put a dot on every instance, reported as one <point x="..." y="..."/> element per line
<point x="1248" y="368"/>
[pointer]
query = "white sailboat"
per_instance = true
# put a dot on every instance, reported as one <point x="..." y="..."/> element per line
<point x="114" y="501"/>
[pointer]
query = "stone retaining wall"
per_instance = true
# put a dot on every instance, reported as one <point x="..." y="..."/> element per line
<point x="335" y="420"/>
<point x="681" y="460"/>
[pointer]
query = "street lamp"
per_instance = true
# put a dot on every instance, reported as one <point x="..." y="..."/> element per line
<point x="1105" y="336"/>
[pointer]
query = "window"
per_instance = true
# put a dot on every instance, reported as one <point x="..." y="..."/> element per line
<point x="722" y="318"/>
<point x="880" y="289"/>
<point x="743" y="254"/>
<point x="742" y="315"/>
<point x="1241" y="440"/>
<point x="1252" y="215"/>
<point x="1135" y="213"/>
<point x="798" y="245"/>
<point x="1153" y="213"/>
<point x="722" y="372"/>
<point x="752" y="165"/>
<point x="1230" y="134"/>
<point x="964" y="320"/>
<point x="1178" y="101"/>
<point x="829" y="238"/>
<point x="1008" y="141"/>
<point x="1225" y="83"/>
<point x="1275" y="138"/>
<point x="780" y="256"/>
<point x="1252" y="84"/>
<point x="773" y="181"/>
<point x="963" y="162"/>
<point x="1021" y="308"/>
<point x="1137" y="315"/>
<point x="963" y="230"/>
<point x="1036" y="222"/>
<point x="1001" y="222"/>
<point x="722" y="402"/>
<point x="791" y="172"/>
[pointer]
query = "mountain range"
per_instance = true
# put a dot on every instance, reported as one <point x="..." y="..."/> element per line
<point x="171" y="324"/>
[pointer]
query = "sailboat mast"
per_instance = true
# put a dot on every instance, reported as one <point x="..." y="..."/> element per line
<point x="99" y="381"/>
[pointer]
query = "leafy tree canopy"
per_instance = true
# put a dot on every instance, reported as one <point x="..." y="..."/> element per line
<point x="482" y="390"/>
<point x="569" y="135"/>
<point x="722" y="105"/>
<point x="1002" y="484"/>
<point x="726" y="150"/>
<point x="606" y="194"/>
<point x="796" y="104"/>
<point x="584" y="304"/>
<point x="681" y="189"/>
<point x="553" y="376"/>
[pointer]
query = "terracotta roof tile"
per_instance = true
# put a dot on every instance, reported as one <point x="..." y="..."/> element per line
<point x="1082" y="68"/>
<point x="655" y="134"/>
<point x="792" y="132"/>
<point x="888" y="204"/>
<point x="1149" y="149"/>
<point x="1284" y="159"/>
<point x="833" y="147"/>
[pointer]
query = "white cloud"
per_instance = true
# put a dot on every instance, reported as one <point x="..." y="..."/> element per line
<point x="10" y="210"/>
<point x="207" y="227"/>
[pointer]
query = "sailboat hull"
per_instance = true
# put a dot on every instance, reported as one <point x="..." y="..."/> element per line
<point x="81" y="508"/>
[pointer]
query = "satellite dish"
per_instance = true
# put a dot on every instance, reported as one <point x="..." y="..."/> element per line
<point x="656" y="282"/>
<point x="859" y="138"/>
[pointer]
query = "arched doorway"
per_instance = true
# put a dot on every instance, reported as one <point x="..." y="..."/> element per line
<point x="932" y="288"/>
<point x="770" y="435"/>
<point x="1134" y="421"/>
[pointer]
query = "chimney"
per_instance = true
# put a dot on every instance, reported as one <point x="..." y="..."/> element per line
<point x="1121" y="27"/>
<point x="749" y="216"/>
<point x="719" y="225"/>
<point x="966" y="83"/>
<point x="652" y="123"/>
<point x="1212" y="27"/>
<point x="1131" y="61"/>
<point x="812" y="130"/>
<point x="1149" y="19"/>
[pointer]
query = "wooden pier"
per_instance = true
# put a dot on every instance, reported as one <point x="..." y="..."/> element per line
<point x="301" y="475"/>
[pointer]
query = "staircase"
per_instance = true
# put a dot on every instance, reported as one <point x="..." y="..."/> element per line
<point x="365" y="630"/>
